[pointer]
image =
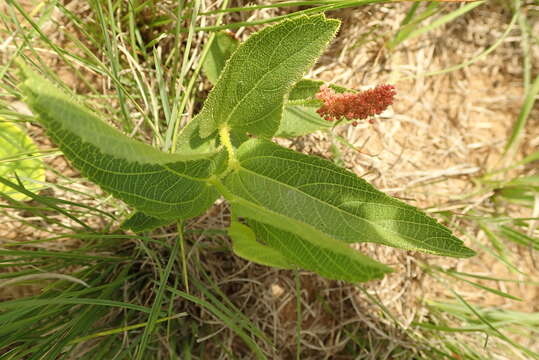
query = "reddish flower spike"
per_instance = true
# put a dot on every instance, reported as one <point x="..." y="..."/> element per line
<point x="357" y="106"/>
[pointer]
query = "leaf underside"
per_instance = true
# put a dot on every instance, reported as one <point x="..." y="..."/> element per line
<point x="166" y="186"/>
<point x="311" y="193"/>
<point x="245" y="245"/>
<point x="139" y="222"/>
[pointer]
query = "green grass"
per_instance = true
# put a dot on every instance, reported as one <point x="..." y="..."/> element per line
<point x="178" y="292"/>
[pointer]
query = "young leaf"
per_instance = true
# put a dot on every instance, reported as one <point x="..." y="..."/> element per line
<point x="250" y="93"/>
<point x="311" y="193"/>
<point x="306" y="89"/>
<point x="299" y="120"/>
<point x="14" y="146"/>
<point x="166" y="186"/>
<point x="244" y="245"/>
<point x="329" y="258"/>
<point x="222" y="47"/>
<point x="299" y="114"/>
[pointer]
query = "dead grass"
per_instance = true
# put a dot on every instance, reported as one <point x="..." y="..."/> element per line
<point x="445" y="130"/>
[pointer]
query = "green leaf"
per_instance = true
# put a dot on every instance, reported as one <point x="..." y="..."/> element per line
<point x="139" y="222"/>
<point x="244" y="245"/>
<point x="310" y="195"/>
<point x="15" y="149"/>
<point x="325" y="256"/>
<point x="299" y="114"/>
<point x="306" y="89"/>
<point x="222" y="47"/>
<point x="161" y="185"/>
<point x="299" y="120"/>
<point x="190" y="142"/>
<point x="251" y="90"/>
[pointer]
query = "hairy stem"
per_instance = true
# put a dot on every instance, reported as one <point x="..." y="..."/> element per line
<point x="224" y="135"/>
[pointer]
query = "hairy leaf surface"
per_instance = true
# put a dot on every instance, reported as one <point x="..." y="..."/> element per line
<point x="329" y="258"/>
<point x="166" y="186"/>
<point x="299" y="115"/>
<point x="308" y="191"/>
<point x="251" y="90"/>
<point x="141" y="222"/>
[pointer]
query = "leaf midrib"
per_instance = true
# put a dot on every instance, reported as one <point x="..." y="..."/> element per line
<point x="403" y="206"/>
<point x="264" y="76"/>
<point x="343" y="212"/>
<point x="164" y="169"/>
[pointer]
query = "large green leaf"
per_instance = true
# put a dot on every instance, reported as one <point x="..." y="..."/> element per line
<point x="141" y="222"/>
<point x="308" y="195"/>
<point x="299" y="113"/>
<point x="251" y="90"/>
<point x="15" y="146"/>
<point x="325" y="256"/>
<point x="303" y="245"/>
<point x="161" y="185"/>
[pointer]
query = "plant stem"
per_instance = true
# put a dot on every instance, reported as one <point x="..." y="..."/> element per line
<point x="184" y="257"/>
<point x="224" y="135"/>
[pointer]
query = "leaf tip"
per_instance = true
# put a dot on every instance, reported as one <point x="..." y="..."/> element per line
<point x="467" y="252"/>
